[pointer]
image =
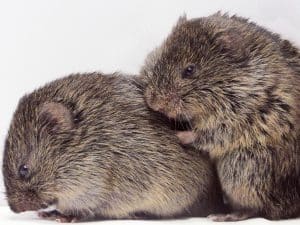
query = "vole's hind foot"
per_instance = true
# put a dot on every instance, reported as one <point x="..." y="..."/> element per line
<point x="234" y="216"/>
<point x="57" y="216"/>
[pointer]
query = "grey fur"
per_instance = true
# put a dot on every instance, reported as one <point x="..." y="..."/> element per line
<point x="94" y="149"/>
<point x="238" y="85"/>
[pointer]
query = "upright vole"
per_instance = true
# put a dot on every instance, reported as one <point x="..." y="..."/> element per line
<point x="89" y="145"/>
<point x="238" y="85"/>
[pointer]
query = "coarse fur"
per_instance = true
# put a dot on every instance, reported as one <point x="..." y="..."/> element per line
<point x="238" y="85"/>
<point x="93" y="148"/>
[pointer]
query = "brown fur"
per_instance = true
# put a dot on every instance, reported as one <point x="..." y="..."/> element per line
<point x="242" y="101"/>
<point x="94" y="149"/>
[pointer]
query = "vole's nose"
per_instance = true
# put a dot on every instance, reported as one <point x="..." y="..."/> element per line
<point x="27" y="205"/>
<point x="20" y="207"/>
<point x="154" y="100"/>
<point x="158" y="106"/>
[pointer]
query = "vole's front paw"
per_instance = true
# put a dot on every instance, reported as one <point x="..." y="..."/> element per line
<point x="55" y="215"/>
<point x="186" y="137"/>
<point x="234" y="216"/>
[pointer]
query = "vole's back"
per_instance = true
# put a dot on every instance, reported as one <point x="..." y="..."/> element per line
<point x="149" y="170"/>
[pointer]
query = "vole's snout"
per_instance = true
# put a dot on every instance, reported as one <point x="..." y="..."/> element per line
<point x="18" y="207"/>
<point x="24" y="205"/>
<point x="167" y="103"/>
<point x="24" y="202"/>
<point x="152" y="100"/>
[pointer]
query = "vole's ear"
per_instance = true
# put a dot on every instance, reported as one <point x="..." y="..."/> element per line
<point x="232" y="43"/>
<point x="55" y="117"/>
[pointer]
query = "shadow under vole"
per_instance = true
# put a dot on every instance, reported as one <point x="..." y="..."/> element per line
<point x="88" y="144"/>
<point x="238" y="85"/>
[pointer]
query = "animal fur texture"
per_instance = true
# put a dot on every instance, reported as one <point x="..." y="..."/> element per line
<point x="238" y="85"/>
<point x="89" y="145"/>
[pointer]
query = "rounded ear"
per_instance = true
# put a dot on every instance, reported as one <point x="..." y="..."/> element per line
<point x="233" y="45"/>
<point x="55" y="117"/>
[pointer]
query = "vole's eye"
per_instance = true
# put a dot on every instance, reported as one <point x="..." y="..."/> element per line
<point x="24" y="171"/>
<point x="188" y="71"/>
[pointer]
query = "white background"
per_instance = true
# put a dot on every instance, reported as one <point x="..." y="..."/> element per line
<point x="45" y="39"/>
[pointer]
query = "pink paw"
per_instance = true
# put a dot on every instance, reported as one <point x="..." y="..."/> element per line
<point x="235" y="216"/>
<point x="57" y="216"/>
<point x="186" y="137"/>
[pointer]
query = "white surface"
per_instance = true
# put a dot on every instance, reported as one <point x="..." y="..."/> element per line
<point x="43" y="40"/>
<point x="30" y="218"/>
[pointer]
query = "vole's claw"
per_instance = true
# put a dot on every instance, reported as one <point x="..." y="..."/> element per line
<point x="235" y="216"/>
<point x="66" y="219"/>
<point x="48" y="215"/>
<point x="57" y="216"/>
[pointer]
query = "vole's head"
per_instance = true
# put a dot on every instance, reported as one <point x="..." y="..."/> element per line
<point x="203" y="67"/>
<point x="34" y="157"/>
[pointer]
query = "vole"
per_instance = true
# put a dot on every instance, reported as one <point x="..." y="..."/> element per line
<point x="238" y="85"/>
<point x="88" y="144"/>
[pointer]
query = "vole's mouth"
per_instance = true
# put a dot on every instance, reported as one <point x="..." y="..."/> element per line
<point x="25" y="206"/>
<point x="180" y="124"/>
<point x="177" y="124"/>
<point x="48" y="208"/>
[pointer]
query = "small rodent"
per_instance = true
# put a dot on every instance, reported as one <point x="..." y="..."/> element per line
<point x="89" y="145"/>
<point x="238" y="85"/>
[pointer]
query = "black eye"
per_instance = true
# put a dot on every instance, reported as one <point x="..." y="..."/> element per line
<point x="188" y="71"/>
<point x="24" y="171"/>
